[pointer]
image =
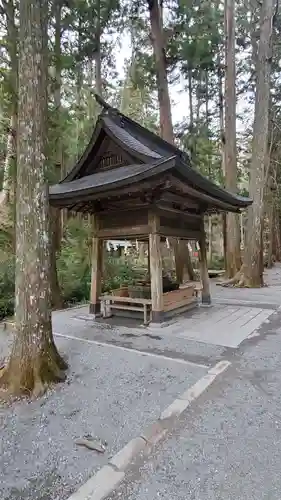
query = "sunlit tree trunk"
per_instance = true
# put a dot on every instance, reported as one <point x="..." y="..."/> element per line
<point x="233" y="258"/>
<point x="34" y="360"/>
<point x="253" y="274"/>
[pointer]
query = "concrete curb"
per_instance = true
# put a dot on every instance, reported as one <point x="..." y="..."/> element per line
<point x="99" y="486"/>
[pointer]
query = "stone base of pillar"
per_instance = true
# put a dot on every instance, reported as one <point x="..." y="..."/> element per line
<point x="157" y="317"/>
<point x="206" y="300"/>
<point x="94" y="309"/>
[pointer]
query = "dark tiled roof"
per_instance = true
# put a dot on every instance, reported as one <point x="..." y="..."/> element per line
<point x="129" y="140"/>
<point x="150" y="152"/>
<point x="127" y="130"/>
<point x="105" y="180"/>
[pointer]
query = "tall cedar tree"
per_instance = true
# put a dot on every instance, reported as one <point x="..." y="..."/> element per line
<point x="182" y="256"/>
<point x="34" y="360"/>
<point x="251" y="272"/>
<point x="233" y="257"/>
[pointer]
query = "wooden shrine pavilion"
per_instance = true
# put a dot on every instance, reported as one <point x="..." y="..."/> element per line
<point x="138" y="186"/>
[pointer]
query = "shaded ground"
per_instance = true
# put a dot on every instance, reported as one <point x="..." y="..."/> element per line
<point x="110" y="394"/>
<point x="228" y="444"/>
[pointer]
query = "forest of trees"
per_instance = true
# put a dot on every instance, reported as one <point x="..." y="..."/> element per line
<point x="225" y="56"/>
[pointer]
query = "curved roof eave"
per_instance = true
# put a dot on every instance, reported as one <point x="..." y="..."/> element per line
<point x="103" y="181"/>
<point x="136" y="147"/>
<point x="201" y="183"/>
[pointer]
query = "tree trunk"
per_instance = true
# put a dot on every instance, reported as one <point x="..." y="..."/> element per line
<point x="10" y="162"/>
<point x="252" y="255"/>
<point x="232" y="220"/>
<point x="276" y="241"/>
<point x="79" y="103"/>
<point x="34" y="360"/>
<point x="98" y="75"/>
<point x="270" y="210"/>
<point x="210" y="238"/>
<point x="166" y="125"/>
<point x="188" y="271"/>
<point x="157" y="39"/>
<point x="222" y="147"/>
<point x="56" y="219"/>
<point x="191" y="119"/>
<point x="9" y="178"/>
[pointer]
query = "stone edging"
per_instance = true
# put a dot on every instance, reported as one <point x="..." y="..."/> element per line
<point x="101" y="484"/>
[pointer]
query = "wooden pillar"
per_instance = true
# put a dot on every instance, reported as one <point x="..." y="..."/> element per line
<point x="97" y="263"/>
<point x="157" y="309"/>
<point x="206" y="296"/>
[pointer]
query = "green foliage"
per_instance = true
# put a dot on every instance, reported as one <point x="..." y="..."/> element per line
<point x="217" y="263"/>
<point x="117" y="272"/>
<point x="74" y="270"/>
<point x="7" y="287"/>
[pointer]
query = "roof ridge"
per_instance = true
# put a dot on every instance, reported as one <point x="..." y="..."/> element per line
<point x="181" y="154"/>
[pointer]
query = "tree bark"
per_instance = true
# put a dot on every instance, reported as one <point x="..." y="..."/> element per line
<point x="233" y="258"/>
<point x="166" y="125"/>
<point x="34" y="360"/>
<point x="252" y="255"/>
<point x="56" y="218"/>
<point x="10" y="161"/>
<point x="222" y="147"/>
<point x="9" y="177"/>
<point x="98" y="72"/>
<point x="251" y="272"/>
<point x="191" y="119"/>
<point x="157" y="39"/>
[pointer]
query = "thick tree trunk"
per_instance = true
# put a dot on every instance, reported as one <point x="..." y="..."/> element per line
<point x="34" y="360"/>
<point x="252" y="255"/>
<point x="166" y="125"/>
<point x="232" y="220"/>
<point x="157" y="39"/>
<point x="251" y="272"/>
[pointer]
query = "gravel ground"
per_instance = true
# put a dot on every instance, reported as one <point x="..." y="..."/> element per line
<point x="110" y="394"/>
<point x="160" y="341"/>
<point x="227" y="446"/>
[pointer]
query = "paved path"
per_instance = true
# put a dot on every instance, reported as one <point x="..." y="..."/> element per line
<point x="267" y="296"/>
<point x="227" y="446"/>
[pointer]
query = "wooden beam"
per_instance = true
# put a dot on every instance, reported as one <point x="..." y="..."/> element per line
<point x="180" y="233"/>
<point x="97" y="266"/>
<point x="157" y="308"/>
<point x="124" y="232"/>
<point x="170" y="197"/>
<point x="206" y="296"/>
<point x="174" y="213"/>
